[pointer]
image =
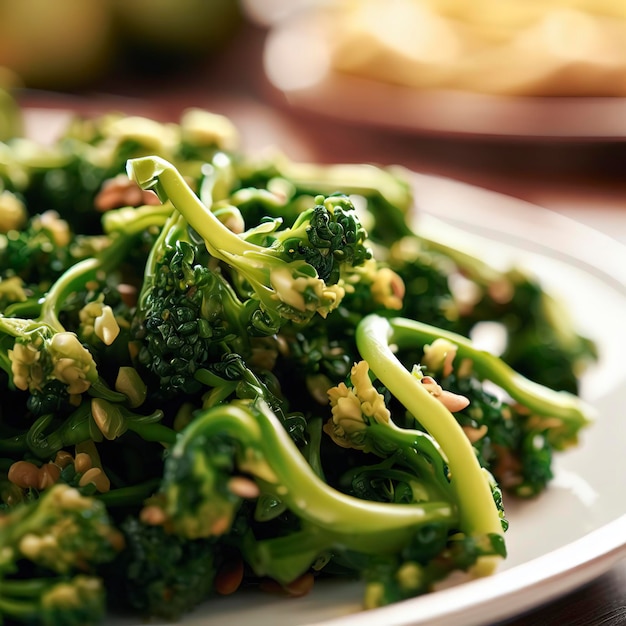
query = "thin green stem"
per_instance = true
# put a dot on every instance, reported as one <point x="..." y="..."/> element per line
<point x="16" y="609"/>
<point x="270" y="455"/>
<point x="129" y="496"/>
<point x="538" y="398"/>
<point x="76" y="276"/>
<point x="478" y="511"/>
<point x="154" y="432"/>
<point x="162" y="177"/>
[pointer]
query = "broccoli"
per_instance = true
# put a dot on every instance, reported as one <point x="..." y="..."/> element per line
<point x="35" y="250"/>
<point x="280" y="276"/>
<point x="52" y="550"/>
<point x="186" y="313"/>
<point x="241" y="450"/>
<point x="160" y="574"/>
<point x="541" y="340"/>
<point x="69" y="177"/>
<point x="94" y="420"/>
<point x="259" y="375"/>
<point x="550" y="418"/>
<point x="42" y="350"/>
<point x="77" y="601"/>
<point x="234" y="453"/>
<point x="191" y="310"/>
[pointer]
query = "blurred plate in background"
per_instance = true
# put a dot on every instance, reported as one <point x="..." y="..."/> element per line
<point x="298" y="63"/>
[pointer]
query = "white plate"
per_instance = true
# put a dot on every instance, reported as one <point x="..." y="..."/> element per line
<point x="577" y="529"/>
<point x="306" y="81"/>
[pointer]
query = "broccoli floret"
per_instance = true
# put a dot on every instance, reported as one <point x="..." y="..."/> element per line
<point x="43" y="350"/>
<point x="52" y="549"/>
<point x="541" y="340"/>
<point x="40" y="355"/>
<point x="325" y="236"/>
<point x="38" y="251"/>
<point x="562" y="413"/>
<point x="511" y="443"/>
<point x="54" y="601"/>
<point x="187" y="313"/>
<point x="160" y="574"/>
<point x="478" y="512"/>
<point x="411" y="573"/>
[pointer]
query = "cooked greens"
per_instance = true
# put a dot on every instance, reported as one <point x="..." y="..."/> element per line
<point x="226" y="371"/>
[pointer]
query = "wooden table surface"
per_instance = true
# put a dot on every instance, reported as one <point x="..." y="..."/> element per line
<point x="586" y="181"/>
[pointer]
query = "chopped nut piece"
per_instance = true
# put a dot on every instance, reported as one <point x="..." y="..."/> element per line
<point x="48" y="475"/>
<point x="24" y="474"/>
<point x="229" y="576"/>
<point x="243" y="487"/>
<point x="153" y="515"/>
<point x="96" y="477"/>
<point x="82" y="462"/>
<point x="120" y="192"/>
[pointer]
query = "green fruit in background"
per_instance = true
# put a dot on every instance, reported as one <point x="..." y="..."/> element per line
<point x="55" y="44"/>
<point x="11" y="122"/>
<point x="67" y="44"/>
<point x="10" y="116"/>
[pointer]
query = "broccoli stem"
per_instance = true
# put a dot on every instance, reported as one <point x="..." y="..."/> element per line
<point x="154" y="432"/>
<point x="171" y="231"/>
<point x="75" y="429"/>
<point x="364" y="179"/>
<point x="23" y="609"/>
<point x="168" y="183"/>
<point x="330" y="521"/>
<point x="80" y="426"/>
<point x="76" y="276"/>
<point x="133" y="495"/>
<point x="312" y="447"/>
<point x="477" y="509"/>
<point x="538" y="398"/>
<point x="268" y="453"/>
<point x="430" y="460"/>
<point x="472" y="266"/>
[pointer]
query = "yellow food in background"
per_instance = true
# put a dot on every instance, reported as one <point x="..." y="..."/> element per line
<point x="515" y="47"/>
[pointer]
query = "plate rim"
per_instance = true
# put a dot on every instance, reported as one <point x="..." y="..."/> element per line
<point x="503" y="590"/>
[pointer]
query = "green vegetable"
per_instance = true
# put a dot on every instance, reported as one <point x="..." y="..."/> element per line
<point x="52" y="550"/>
<point x="202" y="497"/>
<point x="160" y="574"/>
<point x="286" y="276"/>
<point x="252" y="372"/>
